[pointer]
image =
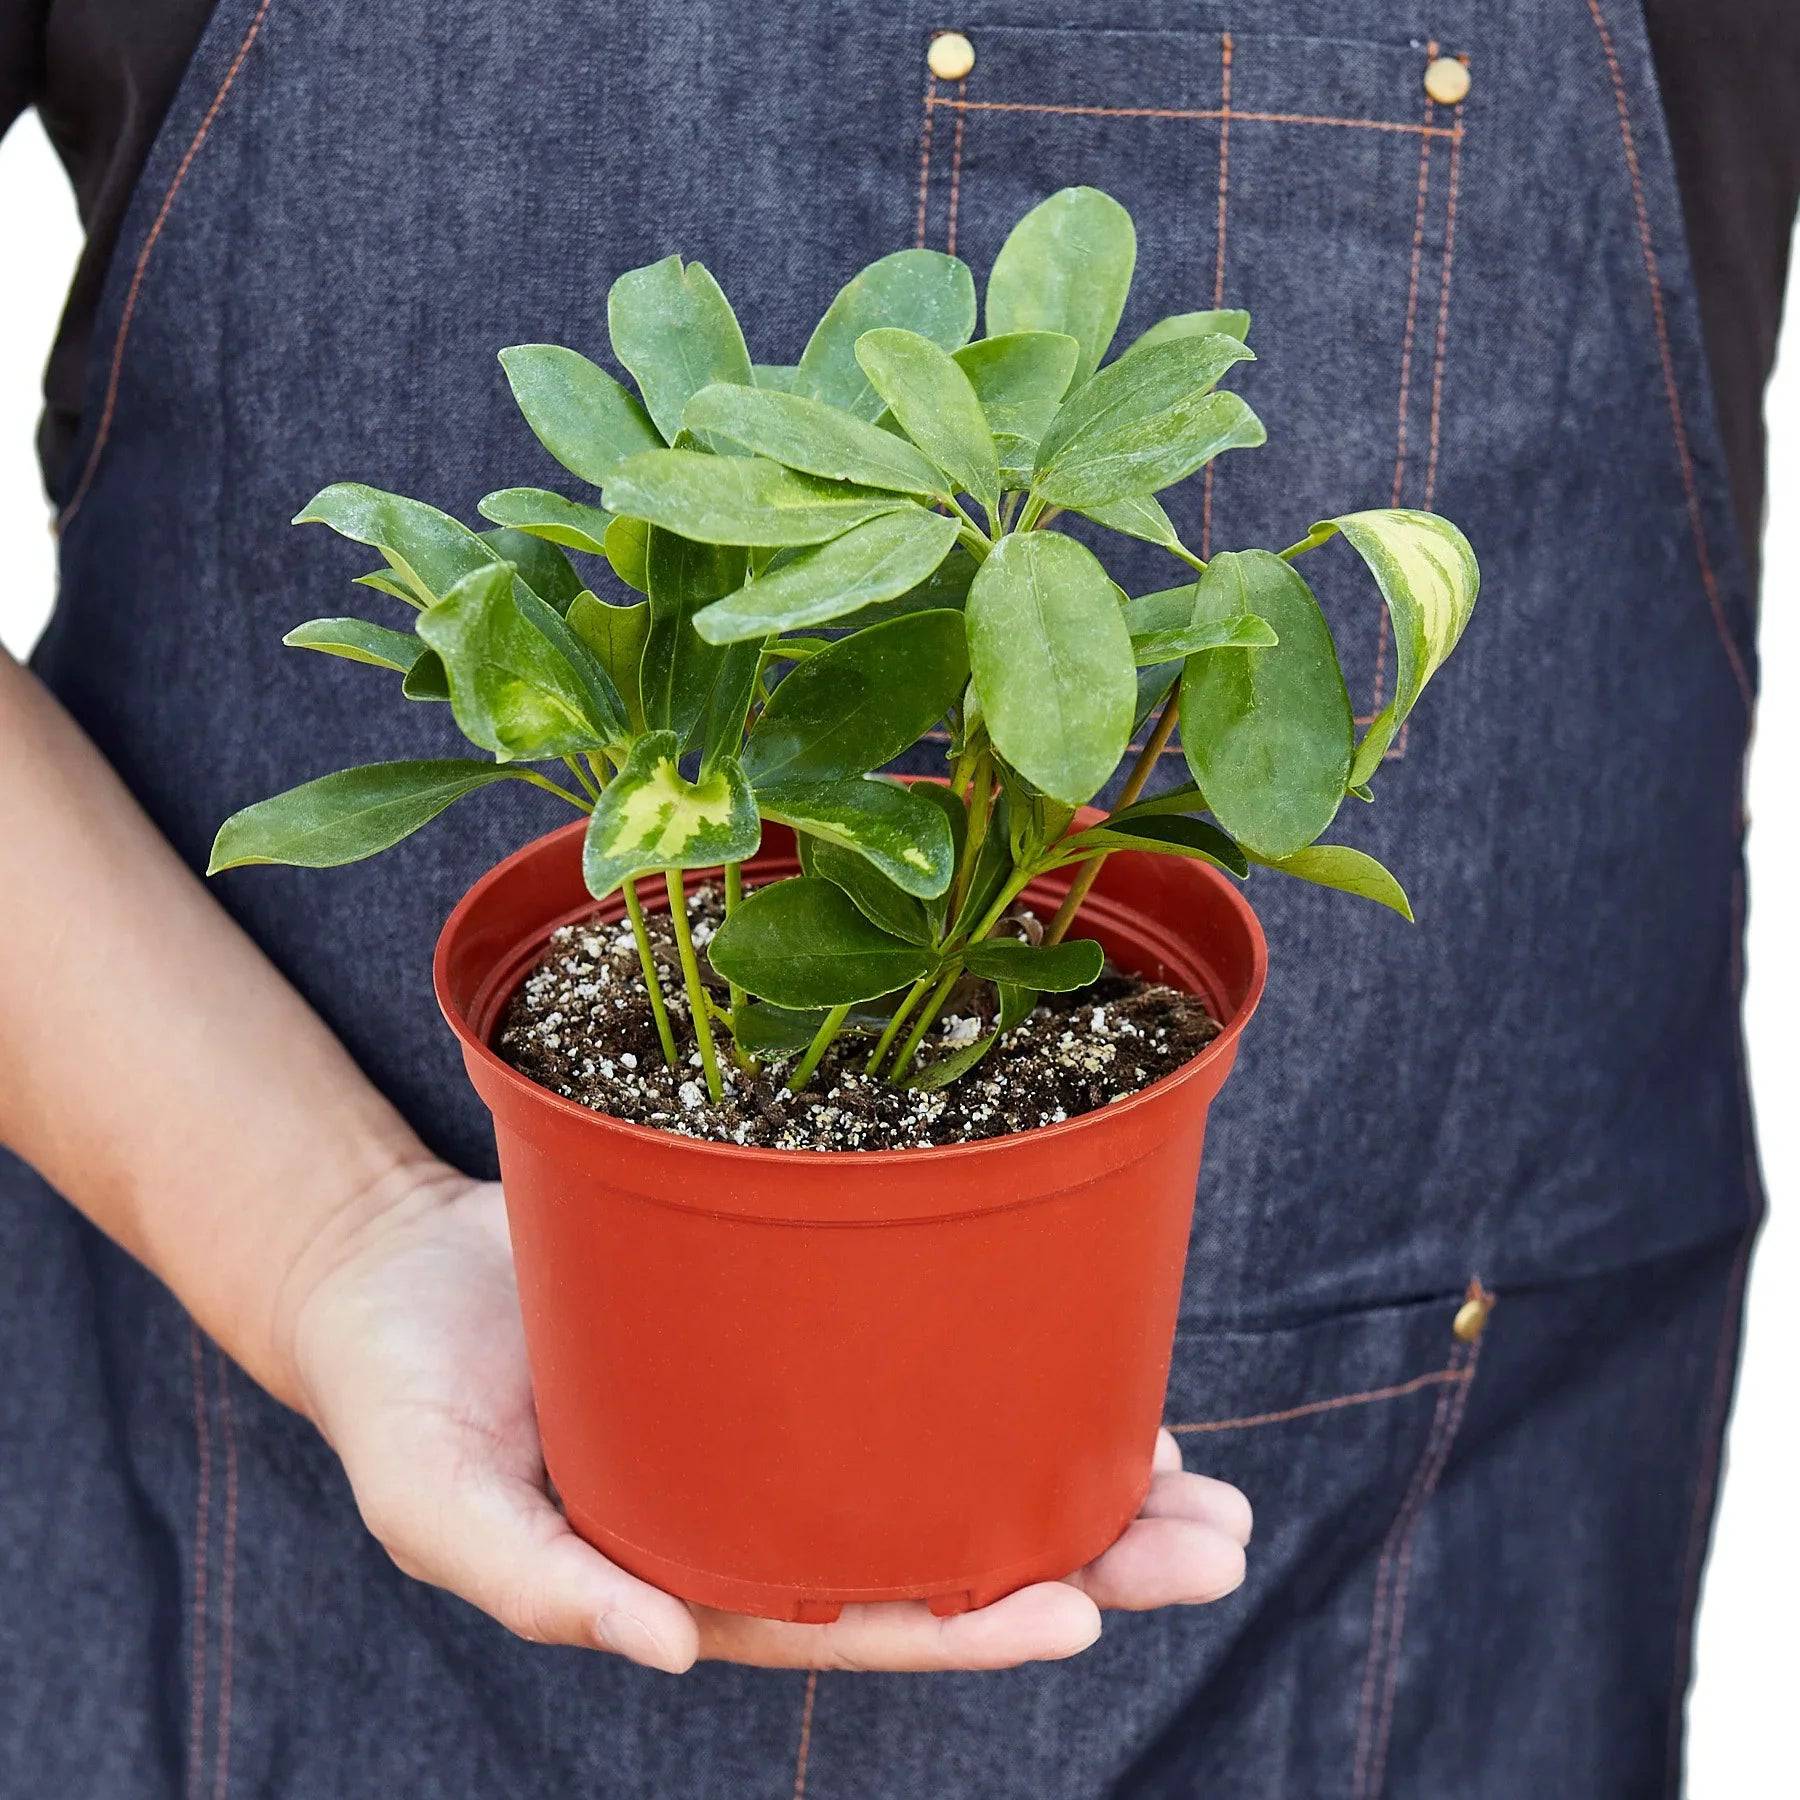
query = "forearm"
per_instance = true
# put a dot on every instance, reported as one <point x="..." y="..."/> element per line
<point x="154" y="1065"/>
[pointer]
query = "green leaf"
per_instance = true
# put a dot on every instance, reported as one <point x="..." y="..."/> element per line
<point x="1173" y="834"/>
<point x="651" y="817"/>
<point x="384" y="581"/>
<point x="584" y="418"/>
<point x="1153" y="686"/>
<point x="616" y="635"/>
<point x="815" y="438"/>
<point x="540" y="565"/>
<point x="766" y="1030"/>
<point x="1349" y="871"/>
<point x="935" y="405"/>
<point x="356" y="640"/>
<point x="1227" y="323"/>
<point x="738" y="499"/>
<point x="427" y="679"/>
<point x="859" y="703"/>
<point x="627" y="547"/>
<point x="1148" y="420"/>
<point x="879" y="559"/>
<point x="1020" y="380"/>
<point x="1429" y="578"/>
<point x="1052" y="663"/>
<point x="918" y="290"/>
<point x="904" y="837"/>
<point x="679" y="667"/>
<point x="721" y="729"/>
<point x="675" y="331"/>
<point x="549" y="516"/>
<point x="1016" y="1006"/>
<point x="803" y="943"/>
<point x="1164" y="626"/>
<point x="1050" y="968"/>
<point x="1066" y="266"/>
<point x="878" y="899"/>
<point x="429" y="550"/>
<point x="344" y="817"/>
<point x="521" y="683"/>
<point x="778" y="378"/>
<point x="1267" y="733"/>
<point x="946" y="586"/>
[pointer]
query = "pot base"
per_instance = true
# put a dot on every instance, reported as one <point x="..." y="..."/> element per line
<point x="782" y="1601"/>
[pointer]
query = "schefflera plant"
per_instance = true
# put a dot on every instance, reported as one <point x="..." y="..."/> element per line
<point x="828" y="560"/>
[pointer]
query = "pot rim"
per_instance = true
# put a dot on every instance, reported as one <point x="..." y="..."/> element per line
<point x="1221" y="1050"/>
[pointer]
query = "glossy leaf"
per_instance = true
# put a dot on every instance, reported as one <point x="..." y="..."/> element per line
<point x="1066" y="266"/>
<point x="1020" y="380"/>
<point x="738" y="499"/>
<point x="385" y="581"/>
<point x="1349" y="871"/>
<point x="539" y="563"/>
<point x="344" y="817"/>
<point x="1165" y="627"/>
<point x="1051" y="661"/>
<point x="1429" y="578"/>
<point x="880" y="900"/>
<point x="1149" y="420"/>
<point x="917" y="290"/>
<point x="778" y="378"/>
<point x="860" y="702"/>
<point x="540" y="513"/>
<point x="427" y="679"/>
<point x="904" y="837"/>
<point x="946" y="586"/>
<point x="1016" y="1006"/>
<point x="674" y="329"/>
<point x="679" y="667"/>
<point x="935" y="405"/>
<point x="803" y="943"/>
<point x="814" y="438"/>
<point x="1227" y="322"/>
<point x="879" y="559"/>
<point x="651" y="817"/>
<point x="1267" y="733"/>
<point x="584" y="418"/>
<point x="1138" y="516"/>
<point x="429" y="550"/>
<point x="727" y="710"/>
<point x="356" y="640"/>
<point x="627" y="547"/>
<point x="1050" y="968"/>
<point x="1161" y="834"/>
<point x="521" y="683"/>
<point x="616" y="635"/>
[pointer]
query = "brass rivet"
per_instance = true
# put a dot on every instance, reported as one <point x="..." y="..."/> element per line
<point x="1472" y="1315"/>
<point x="951" y="56"/>
<point x="1447" y="80"/>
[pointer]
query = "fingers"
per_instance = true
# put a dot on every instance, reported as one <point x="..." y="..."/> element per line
<point x="1201" y="1499"/>
<point x="1045" y="1623"/>
<point x="496" y="1541"/>
<point x="1163" y="1562"/>
<point x="1168" y="1453"/>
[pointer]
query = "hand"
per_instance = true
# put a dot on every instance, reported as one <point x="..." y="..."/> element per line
<point x="410" y="1356"/>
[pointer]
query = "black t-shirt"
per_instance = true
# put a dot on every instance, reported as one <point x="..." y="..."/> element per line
<point x="102" y="73"/>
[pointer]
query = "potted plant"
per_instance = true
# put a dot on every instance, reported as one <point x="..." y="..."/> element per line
<point x="849" y="1217"/>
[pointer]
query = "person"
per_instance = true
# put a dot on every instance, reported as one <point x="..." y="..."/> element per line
<point x="1469" y="1253"/>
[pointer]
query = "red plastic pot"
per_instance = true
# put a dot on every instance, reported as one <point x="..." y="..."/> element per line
<point x="778" y="1381"/>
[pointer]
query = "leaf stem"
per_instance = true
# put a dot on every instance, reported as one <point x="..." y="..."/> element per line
<point x="834" y="1023"/>
<point x="588" y="786"/>
<point x="927" y="1016"/>
<point x="1089" y="871"/>
<point x="981" y="807"/>
<point x="1311" y="541"/>
<point x="892" y="1029"/>
<point x="690" y="975"/>
<point x="551" y="787"/>
<point x="634" y="910"/>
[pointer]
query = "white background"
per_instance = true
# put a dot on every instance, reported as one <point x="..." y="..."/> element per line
<point x="1743" y="1700"/>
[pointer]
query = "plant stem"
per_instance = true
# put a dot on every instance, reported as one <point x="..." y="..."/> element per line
<point x="634" y="910"/>
<point x="551" y="787"/>
<point x="1196" y="563"/>
<point x="834" y="1023"/>
<point x="1311" y="541"/>
<point x="1089" y="871"/>
<point x="927" y="1016"/>
<point x="588" y="786"/>
<point x="1031" y="513"/>
<point x="892" y="1029"/>
<point x="734" y="894"/>
<point x="981" y="807"/>
<point x="690" y="975"/>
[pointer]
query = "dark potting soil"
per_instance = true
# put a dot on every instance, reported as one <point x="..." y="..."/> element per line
<point x="581" y="1026"/>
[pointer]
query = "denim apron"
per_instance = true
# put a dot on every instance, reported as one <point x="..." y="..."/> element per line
<point x="1478" y="1550"/>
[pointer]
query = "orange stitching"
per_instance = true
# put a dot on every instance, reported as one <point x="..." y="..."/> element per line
<point x="1185" y="112"/>
<point x="1365" y="1711"/>
<point x="228" y="1586"/>
<point x="1397" y="1625"/>
<point x="925" y="157"/>
<point x="1711" y="1445"/>
<point x="109" y="405"/>
<point x="1206" y="481"/>
<point x="955" y="185"/>
<point x="806" y="1720"/>
<point x="1399" y="1390"/>
<point x="202" y="1512"/>
<point x="1677" y="422"/>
